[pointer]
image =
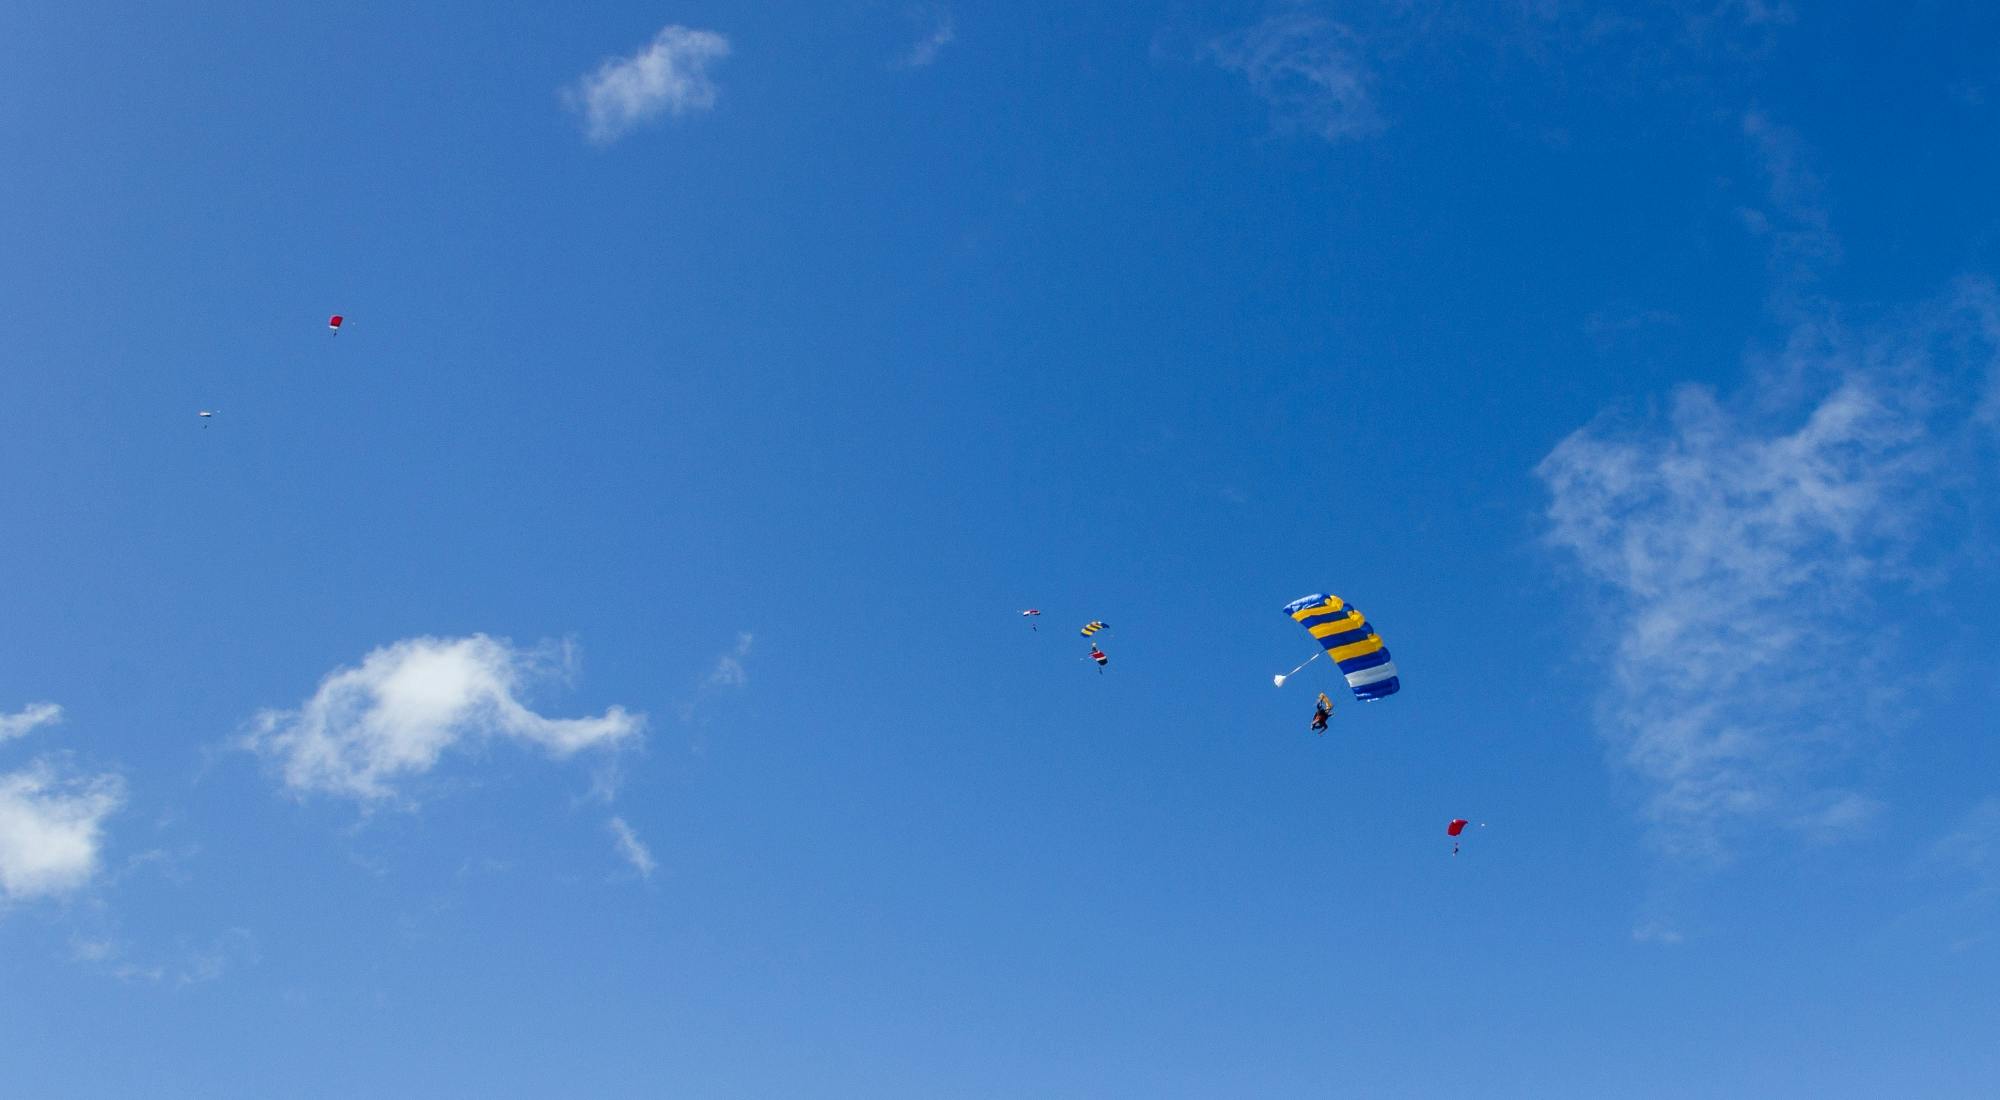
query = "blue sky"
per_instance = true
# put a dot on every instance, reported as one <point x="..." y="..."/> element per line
<point x="597" y="671"/>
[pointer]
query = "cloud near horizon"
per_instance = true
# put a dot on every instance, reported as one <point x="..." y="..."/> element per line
<point x="395" y="715"/>
<point x="668" y="77"/>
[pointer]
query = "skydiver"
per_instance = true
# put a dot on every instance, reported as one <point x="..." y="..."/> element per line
<point x="1100" y="657"/>
<point x="1322" y="710"/>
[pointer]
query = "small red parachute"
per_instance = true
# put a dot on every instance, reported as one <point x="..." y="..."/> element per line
<point x="334" y="322"/>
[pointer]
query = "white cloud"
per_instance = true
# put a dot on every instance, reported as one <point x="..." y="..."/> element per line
<point x="1745" y="550"/>
<point x="23" y="721"/>
<point x="926" y="49"/>
<point x="632" y="848"/>
<point x="1308" y="69"/>
<point x="729" y="671"/>
<point x="669" y="76"/>
<point x="52" y="829"/>
<point x="396" y="715"/>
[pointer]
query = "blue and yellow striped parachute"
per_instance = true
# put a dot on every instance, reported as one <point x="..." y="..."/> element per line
<point x="1350" y="642"/>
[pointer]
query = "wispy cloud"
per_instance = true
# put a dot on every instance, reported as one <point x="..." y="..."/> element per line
<point x="396" y="715"/>
<point x="632" y="848"/>
<point x="669" y="76"/>
<point x="29" y="718"/>
<point x="1796" y="218"/>
<point x="189" y="965"/>
<point x="729" y="673"/>
<point x="52" y="828"/>
<point x="1756" y="13"/>
<point x="1740" y="542"/>
<point x="729" y="670"/>
<point x="1971" y="849"/>
<point x="1309" y="69"/>
<point x="1955" y="879"/>
<point x="940" y="33"/>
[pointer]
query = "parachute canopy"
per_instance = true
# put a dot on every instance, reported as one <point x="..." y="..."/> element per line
<point x="1350" y="642"/>
<point x="334" y="322"/>
<point x="1456" y="827"/>
<point x="1031" y="612"/>
<point x="1093" y="627"/>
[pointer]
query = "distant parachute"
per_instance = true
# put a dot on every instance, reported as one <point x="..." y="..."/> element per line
<point x="334" y="322"/>
<point x="1350" y="642"/>
<point x="1031" y="615"/>
<point x="1452" y="830"/>
<point x="1093" y="627"/>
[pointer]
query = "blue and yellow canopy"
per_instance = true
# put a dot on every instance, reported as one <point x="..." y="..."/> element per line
<point x="1351" y="642"/>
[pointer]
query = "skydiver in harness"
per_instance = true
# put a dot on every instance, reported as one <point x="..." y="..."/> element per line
<point x="1322" y="710"/>
<point x="1099" y="656"/>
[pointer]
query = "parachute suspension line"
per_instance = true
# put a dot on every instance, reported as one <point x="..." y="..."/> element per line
<point x="1280" y="680"/>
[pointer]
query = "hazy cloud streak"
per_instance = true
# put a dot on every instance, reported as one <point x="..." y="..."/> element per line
<point x="29" y="718"/>
<point x="926" y="49"/>
<point x="1741" y="546"/>
<point x="1309" y="70"/>
<point x="729" y="670"/>
<point x="632" y="848"/>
